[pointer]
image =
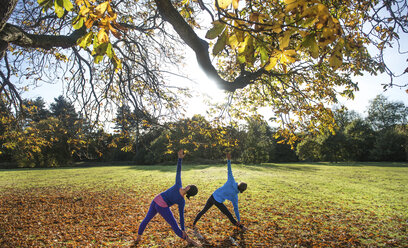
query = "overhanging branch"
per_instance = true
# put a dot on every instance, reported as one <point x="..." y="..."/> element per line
<point x="15" y="35"/>
<point x="200" y="47"/>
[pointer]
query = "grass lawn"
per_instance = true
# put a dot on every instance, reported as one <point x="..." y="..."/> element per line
<point x="285" y="205"/>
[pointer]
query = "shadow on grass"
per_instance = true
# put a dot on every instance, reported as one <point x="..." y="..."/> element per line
<point x="257" y="167"/>
<point x="235" y="239"/>
<point x="187" y="166"/>
<point x="357" y="164"/>
<point x="285" y="167"/>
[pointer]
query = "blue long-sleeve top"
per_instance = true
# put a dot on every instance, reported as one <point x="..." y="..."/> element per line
<point x="229" y="191"/>
<point x="172" y="195"/>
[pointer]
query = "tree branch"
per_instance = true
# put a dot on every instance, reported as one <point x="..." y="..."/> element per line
<point x="200" y="47"/>
<point x="17" y="36"/>
<point x="6" y="8"/>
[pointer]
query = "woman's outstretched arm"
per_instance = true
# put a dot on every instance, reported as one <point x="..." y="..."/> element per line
<point x="180" y="158"/>
<point x="230" y="176"/>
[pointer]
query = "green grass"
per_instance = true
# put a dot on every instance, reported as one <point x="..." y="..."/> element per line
<point x="293" y="203"/>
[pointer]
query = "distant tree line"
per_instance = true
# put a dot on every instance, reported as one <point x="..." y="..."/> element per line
<point x="60" y="136"/>
<point x="381" y="136"/>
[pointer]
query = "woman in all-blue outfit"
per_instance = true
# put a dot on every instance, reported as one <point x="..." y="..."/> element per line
<point x="162" y="202"/>
<point x="229" y="191"/>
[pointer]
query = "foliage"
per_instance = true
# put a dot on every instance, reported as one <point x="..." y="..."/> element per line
<point x="308" y="149"/>
<point x="360" y="139"/>
<point x="257" y="144"/>
<point x="390" y="145"/>
<point x="199" y="135"/>
<point x="25" y="143"/>
<point x="38" y="137"/>
<point x="5" y="123"/>
<point x="69" y="138"/>
<point x="383" y="113"/>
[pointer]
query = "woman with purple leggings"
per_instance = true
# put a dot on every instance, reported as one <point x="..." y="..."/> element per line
<point x="162" y="202"/>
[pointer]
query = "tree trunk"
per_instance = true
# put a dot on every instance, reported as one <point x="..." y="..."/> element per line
<point x="6" y="8"/>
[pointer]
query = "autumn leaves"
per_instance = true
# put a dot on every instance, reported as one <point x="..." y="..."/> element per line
<point x="276" y="34"/>
<point x="270" y="34"/>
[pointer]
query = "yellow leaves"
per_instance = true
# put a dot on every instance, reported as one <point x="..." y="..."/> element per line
<point x="284" y="40"/>
<point x="276" y="27"/>
<point x="235" y="4"/>
<point x="105" y="18"/>
<point x="101" y="8"/>
<point x="306" y="25"/>
<point x="103" y="36"/>
<point x="61" y="57"/>
<point x="272" y="63"/>
<point x="293" y="4"/>
<point x="263" y="52"/>
<point x="233" y="41"/>
<point x="126" y="148"/>
<point x="246" y="50"/>
<point x="85" y="40"/>
<point x="117" y="63"/>
<point x="83" y="11"/>
<point x="285" y="58"/>
<point x="197" y="133"/>
<point x="336" y="60"/>
<point x="223" y="4"/>
<point x="288" y="56"/>
<point x="89" y="23"/>
<point x="59" y="8"/>
<point x="68" y="5"/>
<point x="319" y="29"/>
<point x="78" y="22"/>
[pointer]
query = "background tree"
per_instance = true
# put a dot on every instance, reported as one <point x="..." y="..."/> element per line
<point x="308" y="149"/>
<point x="70" y="137"/>
<point x="6" y="120"/>
<point x="383" y="113"/>
<point x="257" y="143"/>
<point x="282" y="152"/>
<point x="125" y="136"/>
<point x="390" y="145"/>
<point x="403" y="131"/>
<point x="35" y="110"/>
<point x="344" y="117"/>
<point x="29" y="139"/>
<point x="24" y="139"/>
<point x="360" y="139"/>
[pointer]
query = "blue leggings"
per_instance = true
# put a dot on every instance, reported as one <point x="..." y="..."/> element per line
<point x="167" y="215"/>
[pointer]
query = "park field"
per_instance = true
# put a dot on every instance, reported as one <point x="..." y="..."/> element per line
<point x="285" y="205"/>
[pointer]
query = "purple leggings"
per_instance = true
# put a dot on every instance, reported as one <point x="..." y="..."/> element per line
<point x="167" y="215"/>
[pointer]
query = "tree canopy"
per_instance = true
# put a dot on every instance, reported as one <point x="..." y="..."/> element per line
<point x="292" y="56"/>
